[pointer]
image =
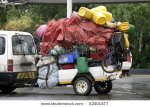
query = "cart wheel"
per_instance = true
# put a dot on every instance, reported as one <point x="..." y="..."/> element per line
<point x="82" y="86"/>
<point x="103" y="87"/>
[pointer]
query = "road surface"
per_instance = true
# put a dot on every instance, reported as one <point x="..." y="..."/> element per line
<point x="135" y="87"/>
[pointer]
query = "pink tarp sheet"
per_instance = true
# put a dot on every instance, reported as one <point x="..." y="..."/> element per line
<point x="75" y="30"/>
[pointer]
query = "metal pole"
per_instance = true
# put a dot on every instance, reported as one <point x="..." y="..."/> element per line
<point x="69" y="8"/>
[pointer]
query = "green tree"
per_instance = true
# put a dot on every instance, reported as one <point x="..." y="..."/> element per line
<point x="3" y="16"/>
<point x="137" y="14"/>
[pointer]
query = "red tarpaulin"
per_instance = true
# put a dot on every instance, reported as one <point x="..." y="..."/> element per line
<point x="75" y="30"/>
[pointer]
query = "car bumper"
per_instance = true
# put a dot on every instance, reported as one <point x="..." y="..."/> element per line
<point x="16" y="78"/>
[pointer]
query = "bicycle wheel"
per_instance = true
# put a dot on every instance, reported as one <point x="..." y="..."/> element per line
<point x="109" y="64"/>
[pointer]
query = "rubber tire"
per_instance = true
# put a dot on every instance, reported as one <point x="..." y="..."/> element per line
<point x="7" y="90"/>
<point x="106" y="91"/>
<point x="89" y="84"/>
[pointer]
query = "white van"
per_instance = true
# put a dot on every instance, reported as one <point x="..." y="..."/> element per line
<point x="17" y="65"/>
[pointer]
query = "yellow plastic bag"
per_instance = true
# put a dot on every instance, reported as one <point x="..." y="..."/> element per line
<point x="126" y="40"/>
<point x="85" y="13"/>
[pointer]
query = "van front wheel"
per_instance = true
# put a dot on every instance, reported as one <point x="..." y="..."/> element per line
<point x="7" y="89"/>
<point x="82" y="86"/>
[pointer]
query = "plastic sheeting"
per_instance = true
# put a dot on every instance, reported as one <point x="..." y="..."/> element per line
<point x="48" y="78"/>
<point x="45" y="61"/>
<point x="75" y="30"/>
<point x="56" y="50"/>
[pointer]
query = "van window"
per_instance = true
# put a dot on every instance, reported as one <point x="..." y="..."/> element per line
<point x="23" y="45"/>
<point x="2" y="45"/>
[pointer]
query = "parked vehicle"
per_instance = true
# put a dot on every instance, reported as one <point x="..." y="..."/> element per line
<point x="17" y="66"/>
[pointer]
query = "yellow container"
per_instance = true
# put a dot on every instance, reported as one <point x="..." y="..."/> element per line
<point x="108" y="15"/>
<point x="85" y="12"/>
<point x="99" y="8"/>
<point x="99" y="18"/>
<point x="126" y="40"/>
<point x="124" y="27"/>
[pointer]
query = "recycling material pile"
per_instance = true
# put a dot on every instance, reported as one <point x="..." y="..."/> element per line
<point x="91" y="27"/>
<point x="84" y="31"/>
<point x="75" y="31"/>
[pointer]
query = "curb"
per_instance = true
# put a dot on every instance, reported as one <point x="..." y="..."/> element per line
<point x="140" y="71"/>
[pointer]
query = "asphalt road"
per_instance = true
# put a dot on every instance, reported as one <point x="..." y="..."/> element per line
<point x="135" y="87"/>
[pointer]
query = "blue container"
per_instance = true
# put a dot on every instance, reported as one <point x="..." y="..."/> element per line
<point x="65" y="59"/>
<point x="70" y="58"/>
<point x="75" y="53"/>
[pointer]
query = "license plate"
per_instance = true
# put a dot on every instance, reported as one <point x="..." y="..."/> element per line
<point x="26" y="75"/>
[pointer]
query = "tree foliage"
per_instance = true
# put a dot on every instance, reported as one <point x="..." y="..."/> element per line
<point x="27" y="16"/>
<point x="19" y="24"/>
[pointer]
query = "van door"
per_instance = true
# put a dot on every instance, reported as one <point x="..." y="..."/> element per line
<point x="3" y="53"/>
<point x="24" y="51"/>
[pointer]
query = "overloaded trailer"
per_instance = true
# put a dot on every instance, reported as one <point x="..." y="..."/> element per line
<point x="86" y="50"/>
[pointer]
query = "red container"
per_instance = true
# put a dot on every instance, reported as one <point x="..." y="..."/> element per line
<point x="68" y="66"/>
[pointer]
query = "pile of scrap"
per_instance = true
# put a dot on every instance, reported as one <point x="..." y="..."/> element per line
<point x="93" y="28"/>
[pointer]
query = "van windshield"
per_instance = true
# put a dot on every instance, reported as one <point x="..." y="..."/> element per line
<point x="23" y="45"/>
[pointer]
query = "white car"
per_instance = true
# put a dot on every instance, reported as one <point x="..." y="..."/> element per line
<point x="17" y="65"/>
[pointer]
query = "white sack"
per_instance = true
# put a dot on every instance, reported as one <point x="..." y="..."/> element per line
<point x="53" y="78"/>
<point x="45" y="60"/>
<point x="42" y="72"/>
